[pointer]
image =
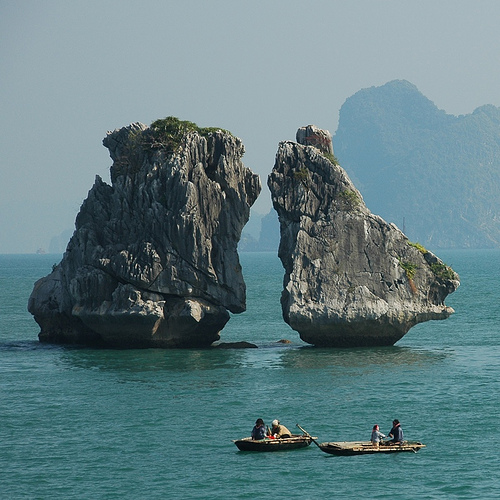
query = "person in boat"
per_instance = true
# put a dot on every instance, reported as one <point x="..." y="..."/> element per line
<point x="376" y="436"/>
<point x="259" y="430"/>
<point x="396" y="433"/>
<point x="279" y="431"/>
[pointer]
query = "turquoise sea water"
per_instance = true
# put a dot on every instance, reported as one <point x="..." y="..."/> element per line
<point x="132" y="424"/>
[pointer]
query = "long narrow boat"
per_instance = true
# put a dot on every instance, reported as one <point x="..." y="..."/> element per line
<point x="366" y="447"/>
<point x="291" y="443"/>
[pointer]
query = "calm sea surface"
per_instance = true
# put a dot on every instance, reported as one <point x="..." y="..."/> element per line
<point x="133" y="424"/>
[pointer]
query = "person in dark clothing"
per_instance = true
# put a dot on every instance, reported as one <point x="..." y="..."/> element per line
<point x="396" y="433"/>
<point x="259" y="430"/>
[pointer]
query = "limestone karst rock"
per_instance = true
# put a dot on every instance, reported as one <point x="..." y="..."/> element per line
<point x="153" y="260"/>
<point x="351" y="279"/>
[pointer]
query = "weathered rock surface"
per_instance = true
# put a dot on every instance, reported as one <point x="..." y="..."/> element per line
<point x="153" y="260"/>
<point x="351" y="279"/>
<point x="314" y="136"/>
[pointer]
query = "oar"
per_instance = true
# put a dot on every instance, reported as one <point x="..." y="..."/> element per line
<point x="308" y="435"/>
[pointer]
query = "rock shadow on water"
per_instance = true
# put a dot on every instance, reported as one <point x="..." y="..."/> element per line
<point x="267" y="356"/>
<point x="152" y="360"/>
<point x="28" y="345"/>
<point x="310" y="357"/>
<point x="272" y="355"/>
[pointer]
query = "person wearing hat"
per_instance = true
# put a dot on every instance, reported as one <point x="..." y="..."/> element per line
<point x="396" y="433"/>
<point x="259" y="430"/>
<point x="376" y="436"/>
<point x="279" y="431"/>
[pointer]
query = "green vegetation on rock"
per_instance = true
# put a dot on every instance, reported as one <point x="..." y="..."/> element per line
<point x="439" y="269"/>
<point x="330" y="157"/>
<point x="419" y="247"/>
<point x="302" y="175"/>
<point x="443" y="271"/>
<point x="409" y="267"/>
<point x="169" y="132"/>
<point x="349" y="200"/>
<point x="166" y="135"/>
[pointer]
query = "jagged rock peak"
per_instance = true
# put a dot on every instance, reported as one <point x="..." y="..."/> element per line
<point x="153" y="260"/>
<point x="351" y="279"/>
<point x="314" y="136"/>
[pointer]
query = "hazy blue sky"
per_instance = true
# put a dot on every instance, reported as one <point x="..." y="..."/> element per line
<point x="71" y="70"/>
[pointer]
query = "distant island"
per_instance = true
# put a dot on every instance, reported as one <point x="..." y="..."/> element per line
<point x="435" y="175"/>
<point x="268" y="238"/>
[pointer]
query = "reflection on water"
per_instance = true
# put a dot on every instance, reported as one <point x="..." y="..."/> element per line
<point x="148" y="360"/>
<point x="268" y="357"/>
<point x="317" y="358"/>
<point x="27" y="345"/>
<point x="295" y="357"/>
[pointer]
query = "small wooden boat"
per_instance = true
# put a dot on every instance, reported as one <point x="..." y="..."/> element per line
<point x="365" y="447"/>
<point x="281" y="444"/>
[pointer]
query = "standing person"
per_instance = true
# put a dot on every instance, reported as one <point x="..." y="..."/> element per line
<point x="259" y="430"/>
<point x="376" y="436"/>
<point x="280" y="431"/>
<point x="396" y="432"/>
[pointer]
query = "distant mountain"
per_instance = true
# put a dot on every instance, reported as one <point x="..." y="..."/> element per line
<point x="59" y="243"/>
<point x="437" y="176"/>
<point x="253" y="226"/>
<point x="269" y="237"/>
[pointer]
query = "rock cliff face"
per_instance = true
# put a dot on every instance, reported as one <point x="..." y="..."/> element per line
<point x="153" y="261"/>
<point x="351" y="279"/>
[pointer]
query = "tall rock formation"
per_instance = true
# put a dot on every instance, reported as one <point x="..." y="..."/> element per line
<point x="153" y="260"/>
<point x="351" y="279"/>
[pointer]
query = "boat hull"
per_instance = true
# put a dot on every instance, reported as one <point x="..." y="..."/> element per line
<point x="249" y="444"/>
<point x="347" y="448"/>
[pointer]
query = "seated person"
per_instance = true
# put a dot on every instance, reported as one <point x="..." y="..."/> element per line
<point x="396" y="433"/>
<point x="376" y="436"/>
<point x="259" y="430"/>
<point x="280" y="431"/>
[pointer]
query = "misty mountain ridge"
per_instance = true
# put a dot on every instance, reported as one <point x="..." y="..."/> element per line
<point x="437" y="176"/>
